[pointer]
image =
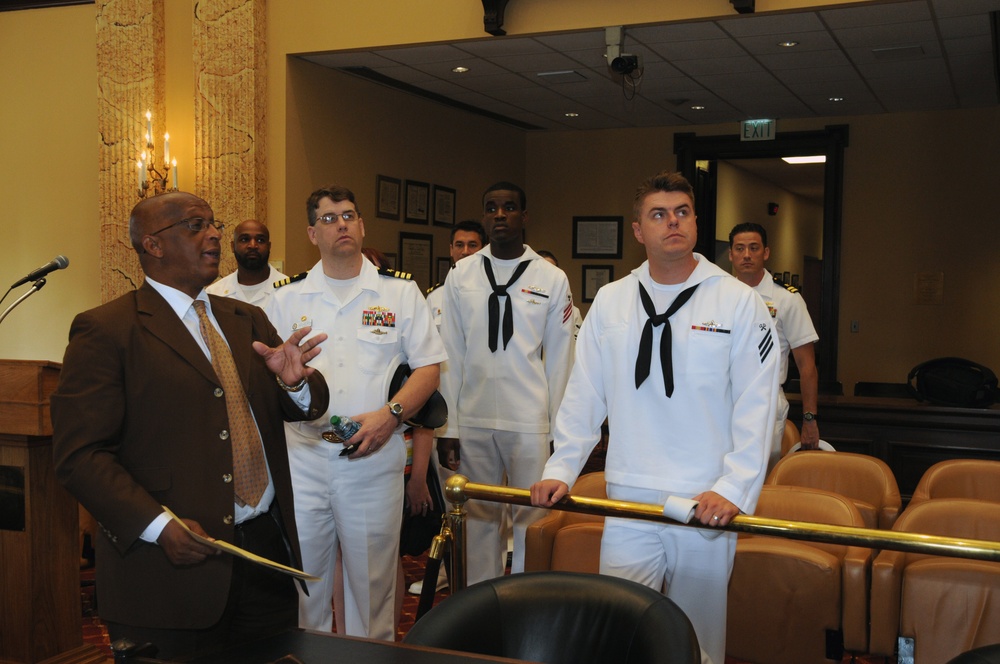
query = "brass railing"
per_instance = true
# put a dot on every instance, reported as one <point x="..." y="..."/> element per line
<point x="458" y="489"/>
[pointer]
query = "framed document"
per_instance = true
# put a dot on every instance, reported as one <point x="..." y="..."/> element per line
<point x="444" y="206"/>
<point x="415" y="257"/>
<point x="387" y="190"/>
<point x="595" y="276"/>
<point x="417" y="202"/>
<point x="597" y="237"/>
<point x="443" y="265"/>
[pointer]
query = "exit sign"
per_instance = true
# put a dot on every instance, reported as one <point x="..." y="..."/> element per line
<point x="757" y="130"/>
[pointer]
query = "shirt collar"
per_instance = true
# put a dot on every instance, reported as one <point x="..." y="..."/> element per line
<point x="179" y="301"/>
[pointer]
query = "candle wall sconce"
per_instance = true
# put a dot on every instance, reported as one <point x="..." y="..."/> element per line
<point x="152" y="180"/>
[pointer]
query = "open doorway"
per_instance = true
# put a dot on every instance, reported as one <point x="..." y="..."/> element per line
<point x="702" y="159"/>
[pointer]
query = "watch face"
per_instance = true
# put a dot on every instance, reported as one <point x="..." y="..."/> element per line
<point x="396" y="409"/>
<point x="808" y="417"/>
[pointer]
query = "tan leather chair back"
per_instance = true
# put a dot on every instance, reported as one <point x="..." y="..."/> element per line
<point x="867" y="481"/>
<point x="790" y="437"/>
<point x="568" y="541"/>
<point x="785" y="596"/>
<point x="946" y="605"/>
<point x="960" y="478"/>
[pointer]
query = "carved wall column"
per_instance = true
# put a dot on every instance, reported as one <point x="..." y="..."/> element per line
<point x="230" y="89"/>
<point x="130" y="78"/>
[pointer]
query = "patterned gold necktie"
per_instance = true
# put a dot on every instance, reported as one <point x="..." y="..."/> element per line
<point x="248" y="452"/>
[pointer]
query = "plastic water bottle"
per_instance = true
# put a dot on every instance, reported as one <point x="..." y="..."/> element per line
<point x="344" y="427"/>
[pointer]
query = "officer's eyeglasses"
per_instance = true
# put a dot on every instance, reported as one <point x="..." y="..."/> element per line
<point x="348" y="216"/>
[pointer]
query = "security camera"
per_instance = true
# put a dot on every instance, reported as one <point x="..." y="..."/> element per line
<point x="625" y="64"/>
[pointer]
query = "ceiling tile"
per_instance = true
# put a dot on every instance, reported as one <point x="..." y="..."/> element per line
<point x="771" y="24"/>
<point x="881" y="56"/>
<point x="807" y="41"/>
<point x="676" y="32"/>
<point x="873" y="13"/>
<point x="803" y="60"/>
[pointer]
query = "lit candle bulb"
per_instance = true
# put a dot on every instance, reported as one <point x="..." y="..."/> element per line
<point x="138" y="172"/>
<point x="149" y="126"/>
<point x="166" y="148"/>
<point x="173" y="167"/>
<point x="142" y="161"/>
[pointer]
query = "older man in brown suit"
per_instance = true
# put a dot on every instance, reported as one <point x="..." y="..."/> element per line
<point x="151" y="411"/>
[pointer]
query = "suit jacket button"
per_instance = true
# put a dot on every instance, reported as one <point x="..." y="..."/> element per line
<point x="227" y="478"/>
<point x="218" y="392"/>
<point x="228" y="520"/>
<point x="224" y="434"/>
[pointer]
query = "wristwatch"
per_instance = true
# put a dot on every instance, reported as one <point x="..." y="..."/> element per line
<point x="396" y="409"/>
<point x="809" y="417"/>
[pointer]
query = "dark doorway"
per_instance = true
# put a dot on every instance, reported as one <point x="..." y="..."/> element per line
<point x="831" y="141"/>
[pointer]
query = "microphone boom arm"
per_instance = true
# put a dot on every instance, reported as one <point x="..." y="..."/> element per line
<point x="35" y="287"/>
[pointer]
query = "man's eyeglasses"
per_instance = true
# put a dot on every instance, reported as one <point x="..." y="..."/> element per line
<point x="348" y="216"/>
<point x="196" y="224"/>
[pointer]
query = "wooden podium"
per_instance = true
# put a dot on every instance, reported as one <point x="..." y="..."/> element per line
<point x="41" y="619"/>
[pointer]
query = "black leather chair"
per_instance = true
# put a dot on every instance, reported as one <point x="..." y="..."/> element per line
<point x="984" y="655"/>
<point x="561" y="617"/>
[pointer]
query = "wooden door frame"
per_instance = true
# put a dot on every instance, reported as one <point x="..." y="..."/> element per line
<point x="831" y="142"/>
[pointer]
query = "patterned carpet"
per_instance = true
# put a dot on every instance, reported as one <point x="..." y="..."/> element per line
<point x="94" y="631"/>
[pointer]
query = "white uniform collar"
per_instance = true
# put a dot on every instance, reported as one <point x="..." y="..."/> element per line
<point x="315" y="281"/>
<point x="705" y="269"/>
<point x="766" y="285"/>
<point x="528" y="255"/>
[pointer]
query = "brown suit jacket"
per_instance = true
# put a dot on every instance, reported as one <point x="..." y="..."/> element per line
<point x="136" y="419"/>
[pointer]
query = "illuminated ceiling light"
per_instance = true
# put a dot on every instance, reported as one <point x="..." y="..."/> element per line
<point x="788" y="44"/>
<point x="697" y="107"/>
<point x="812" y="159"/>
<point x="460" y="70"/>
<point x="571" y="114"/>
<point x="835" y="99"/>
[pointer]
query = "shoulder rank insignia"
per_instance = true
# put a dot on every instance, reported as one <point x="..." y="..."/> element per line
<point x="790" y="288"/>
<point x="389" y="272"/>
<point x="290" y="280"/>
<point x="433" y="288"/>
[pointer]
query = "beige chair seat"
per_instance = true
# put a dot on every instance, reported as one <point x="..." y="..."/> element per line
<point x="946" y="605"/>
<point x="787" y="596"/>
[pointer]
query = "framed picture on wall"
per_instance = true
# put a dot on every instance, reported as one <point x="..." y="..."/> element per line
<point x="415" y="256"/>
<point x="443" y="265"/>
<point x="387" y="191"/>
<point x="597" y="237"/>
<point x="595" y="276"/>
<point x="417" y="202"/>
<point x="444" y="206"/>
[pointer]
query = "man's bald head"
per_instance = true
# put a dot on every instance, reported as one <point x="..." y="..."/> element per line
<point x="151" y="214"/>
<point x="178" y="240"/>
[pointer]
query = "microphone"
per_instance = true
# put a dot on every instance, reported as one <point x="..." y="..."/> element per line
<point x="57" y="263"/>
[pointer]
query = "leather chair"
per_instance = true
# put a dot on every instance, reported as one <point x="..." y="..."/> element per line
<point x="984" y="655"/>
<point x="561" y="617"/>
<point x="796" y="601"/>
<point x="945" y="605"/>
<point x="568" y="541"/>
<point x="867" y="481"/>
<point x="790" y="437"/>
<point x="959" y="478"/>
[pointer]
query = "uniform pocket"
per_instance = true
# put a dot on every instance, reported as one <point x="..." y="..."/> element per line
<point x="377" y="347"/>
